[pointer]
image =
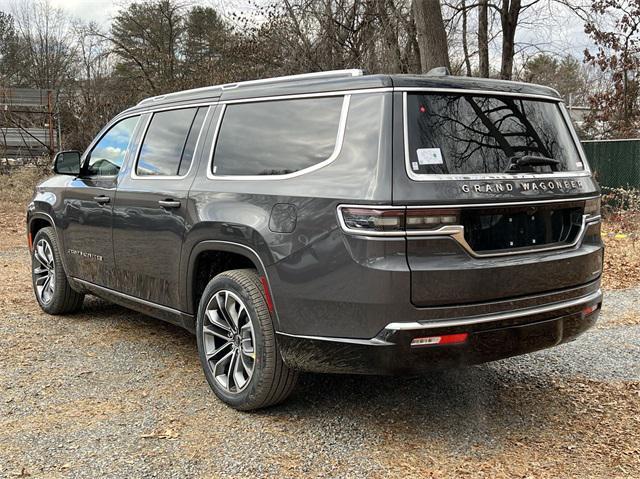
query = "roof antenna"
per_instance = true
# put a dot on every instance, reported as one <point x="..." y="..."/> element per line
<point x="438" y="72"/>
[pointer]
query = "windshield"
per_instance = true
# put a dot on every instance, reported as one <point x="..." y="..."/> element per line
<point x="470" y="134"/>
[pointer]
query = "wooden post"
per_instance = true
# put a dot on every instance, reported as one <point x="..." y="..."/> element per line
<point x="50" y="116"/>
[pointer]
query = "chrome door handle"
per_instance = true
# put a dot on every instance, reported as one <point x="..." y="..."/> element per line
<point x="169" y="203"/>
<point x="102" y="200"/>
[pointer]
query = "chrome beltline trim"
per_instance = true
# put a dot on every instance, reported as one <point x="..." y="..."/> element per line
<point x="342" y="124"/>
<point x="494" y="317"/>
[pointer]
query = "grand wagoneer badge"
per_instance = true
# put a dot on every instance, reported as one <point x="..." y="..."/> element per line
<point x="542" y="185"/>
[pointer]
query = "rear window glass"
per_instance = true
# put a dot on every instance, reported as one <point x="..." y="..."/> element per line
<point x="169" y="143"/>
<point x="276" y="137"/>
<point x="468" y="134"/>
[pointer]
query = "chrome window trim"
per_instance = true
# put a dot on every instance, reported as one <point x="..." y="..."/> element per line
<point x="143" y="111"/>
<point x="456" y="232"/>
<point x="609" y="140"/>
<point x="136" y="158"/>
<point x="547" y="308"/>
<point x="585" y="172"/>
<point x="342" y="123"/>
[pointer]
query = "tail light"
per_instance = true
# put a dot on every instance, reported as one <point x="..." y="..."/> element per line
<point x="440" y="340"/>
<point x="592" y="207"/>
<point x="590" y="309"/>
<point x="394" y="221"/>
<point x="371" y="220"/>
<point x="431" y="219"/>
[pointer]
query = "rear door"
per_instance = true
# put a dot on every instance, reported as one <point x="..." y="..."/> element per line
<point x="88" y="204"/>
<point x="150" y="208"/>
<point x="498" y="197"/>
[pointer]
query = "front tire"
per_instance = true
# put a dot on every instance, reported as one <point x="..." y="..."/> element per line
<point x="50" y="284"/>
<point x="237" y="344"/>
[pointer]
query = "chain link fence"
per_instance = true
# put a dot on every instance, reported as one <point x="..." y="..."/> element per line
<point x="615" y="163"/>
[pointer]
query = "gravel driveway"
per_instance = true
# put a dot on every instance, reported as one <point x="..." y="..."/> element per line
<point x="111" y="393"/>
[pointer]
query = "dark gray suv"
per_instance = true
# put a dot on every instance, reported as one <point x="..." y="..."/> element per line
<point x="331" y="222"/>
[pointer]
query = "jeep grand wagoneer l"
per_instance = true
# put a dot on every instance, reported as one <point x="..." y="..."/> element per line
<point x="332" y="222"/>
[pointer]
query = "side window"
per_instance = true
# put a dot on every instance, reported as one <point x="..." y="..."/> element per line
<point x="276" y="137"/>
<point x="170" y="141"/>
<point x="107" y="156"/>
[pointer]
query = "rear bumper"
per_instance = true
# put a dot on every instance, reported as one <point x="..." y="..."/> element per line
<point x="490" y="337"/>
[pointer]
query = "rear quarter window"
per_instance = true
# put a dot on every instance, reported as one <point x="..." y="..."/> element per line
<point x="276" y="137"/>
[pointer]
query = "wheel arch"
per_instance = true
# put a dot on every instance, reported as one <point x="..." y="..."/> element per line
<point x="214" y="257"/>
<point x="38" y="220"/>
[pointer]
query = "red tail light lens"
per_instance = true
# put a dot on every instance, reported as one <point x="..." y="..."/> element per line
<point x="590" y="309"/>
<point x="440" y="340"/>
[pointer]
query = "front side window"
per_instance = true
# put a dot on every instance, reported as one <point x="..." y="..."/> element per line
<point x="276" y="137"/>
<point x="107" y="156"/>
<point x="470" y="134"/>
<point x="169" y="143"/>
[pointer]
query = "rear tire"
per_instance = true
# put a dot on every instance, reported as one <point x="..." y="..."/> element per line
<point x="237" y="344"/>
<point x="50" y="285"/>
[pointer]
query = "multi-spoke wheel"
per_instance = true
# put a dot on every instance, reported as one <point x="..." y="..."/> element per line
<point x="50" y="285"/>
<point x="44" y="271"/>
<point x="229" y="341"/>
<point x="236" y="343"/>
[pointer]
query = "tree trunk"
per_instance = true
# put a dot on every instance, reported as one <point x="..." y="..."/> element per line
<point x="483" y="38"/>
<point x="465" y="43"/>
<point x="509" y="13"/>
<point x="432" y="37"/>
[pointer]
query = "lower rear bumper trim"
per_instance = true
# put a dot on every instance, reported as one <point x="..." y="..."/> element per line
<point x="471" y="321"/>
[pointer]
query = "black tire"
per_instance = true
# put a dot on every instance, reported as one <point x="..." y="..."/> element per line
<point x="271" y="380"/>
<point x="62" y="299"/>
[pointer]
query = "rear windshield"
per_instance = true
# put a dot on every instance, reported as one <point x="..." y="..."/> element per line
<point x="469" y="134"/>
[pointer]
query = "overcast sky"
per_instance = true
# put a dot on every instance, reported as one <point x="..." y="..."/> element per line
<point x="562" y="33"/>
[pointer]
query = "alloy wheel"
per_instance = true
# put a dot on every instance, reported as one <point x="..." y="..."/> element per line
<point x="44" y="271"/>
<point x="229" y="341"/>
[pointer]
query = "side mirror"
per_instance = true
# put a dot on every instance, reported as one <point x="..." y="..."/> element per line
<point x="67" y="163"/>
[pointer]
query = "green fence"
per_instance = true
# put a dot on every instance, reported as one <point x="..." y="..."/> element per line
<point x="616" y="163"/>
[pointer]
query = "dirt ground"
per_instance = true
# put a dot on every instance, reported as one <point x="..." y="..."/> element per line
<point x="112" y="393"/>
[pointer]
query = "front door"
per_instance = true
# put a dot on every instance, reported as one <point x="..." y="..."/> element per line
<point x="150" y="210"/>
<point x="88" y="203"/>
